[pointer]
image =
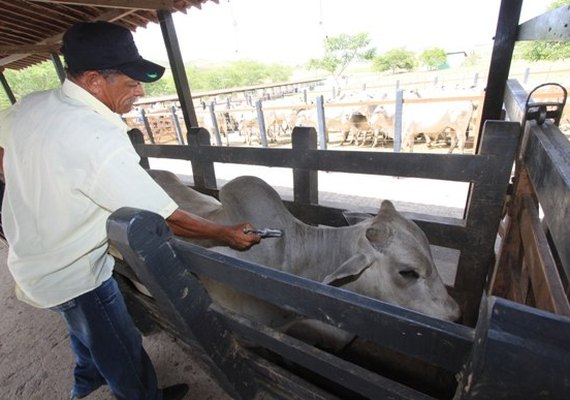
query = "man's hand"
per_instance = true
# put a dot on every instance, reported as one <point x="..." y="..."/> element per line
<point x="182" y="223"/>
<point x="239" y="239"/>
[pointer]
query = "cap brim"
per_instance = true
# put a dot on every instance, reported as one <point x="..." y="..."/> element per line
<point x="142" y="70"/>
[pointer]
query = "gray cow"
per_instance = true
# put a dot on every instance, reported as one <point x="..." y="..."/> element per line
<point x="386" y="257"/>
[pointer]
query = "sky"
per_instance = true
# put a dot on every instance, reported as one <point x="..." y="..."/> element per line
<point x="293" y="31"/>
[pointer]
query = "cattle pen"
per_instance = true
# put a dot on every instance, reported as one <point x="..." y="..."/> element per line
<point x="511" y="278"/>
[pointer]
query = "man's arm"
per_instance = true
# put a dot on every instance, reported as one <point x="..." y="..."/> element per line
<point x="183" y="223"/>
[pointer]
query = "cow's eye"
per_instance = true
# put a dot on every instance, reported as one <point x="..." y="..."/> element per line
<point x="409" y="274"/>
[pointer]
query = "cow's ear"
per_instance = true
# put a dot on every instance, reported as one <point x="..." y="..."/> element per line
<point x="349" y="271"/>
<point x="379" y="236"/>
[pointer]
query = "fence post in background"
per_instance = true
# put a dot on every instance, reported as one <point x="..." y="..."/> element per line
<point x="305" y="182"/>
<point x="364" y="87"/>
<point x="215" y="124"/>
<point x="261" y="122"/>
<point x="397" y="84"/>
<point x="203" y="172"/>
<point x="147" y="126"/>
<point x="398" y="120"/>
<point x="176" y="125"/>
<point x="334" y="92"/>
<point x="475" y="79"/>
<point x="526" y="75"/>
<point x="228" y="102"/>
<point x="305" y="95"/>
<point x="435" y="80"/>
<point x="321" y="123"/>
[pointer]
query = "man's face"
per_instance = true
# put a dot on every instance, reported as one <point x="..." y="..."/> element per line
<point x="119" y="92"/>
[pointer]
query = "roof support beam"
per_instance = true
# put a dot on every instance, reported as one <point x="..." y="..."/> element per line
<point x="7" y="88"/>
<point x="29" y="49"/>
<point x="129" y="4"/>
<point x="177" y="66"/>
<point x="108" y="16"/>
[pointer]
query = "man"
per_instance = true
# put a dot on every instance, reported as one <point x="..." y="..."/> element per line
<point x="68" y="164"/>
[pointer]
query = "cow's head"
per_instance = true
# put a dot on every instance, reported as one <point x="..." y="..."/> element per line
<point x="394" y="264"/>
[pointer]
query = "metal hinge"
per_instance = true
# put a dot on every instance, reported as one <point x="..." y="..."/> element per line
<point x="540" y="112"/>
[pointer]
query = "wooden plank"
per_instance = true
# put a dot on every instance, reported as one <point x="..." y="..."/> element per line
<point x="515" y="100"/>
<point x="202" y="170"/>
<point x="504" y="44"/>
<point x="546" y="284"/>
<point x="452" y="167"/>
<point x="279" y="384"/>
<point x="519" y="352"/>
<point x="143" y="239"/>
<point x="353" y="377"/>
<point x="177" y="67"/>
<point x="305" y="181"/>
<point x="485" y="205"/>
<point x="437" y="342"/>
<point x="548" y="161"/>
<point x="552" y="25"/>
<point x="129" y="4"/>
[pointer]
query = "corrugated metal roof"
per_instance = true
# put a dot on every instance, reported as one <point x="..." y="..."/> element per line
<point x="31" y="30"/>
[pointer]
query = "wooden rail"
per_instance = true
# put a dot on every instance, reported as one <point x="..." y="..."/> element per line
<point x="534" y="263"/>
<point x="474" y="236"/>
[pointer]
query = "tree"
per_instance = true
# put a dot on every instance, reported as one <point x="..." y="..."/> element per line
<point x="394" y="60"/>
<point x="240" y="73"/>
<point x="433" y="58"/>
<point x="340" y="51"/>
<point x="548" y="50"/>
<point x="41" y="76"/>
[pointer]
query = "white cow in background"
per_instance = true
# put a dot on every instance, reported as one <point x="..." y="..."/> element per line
<point x="224" y="122"/>
<point x="429" y="119"/>
<point x="386" y="257"/>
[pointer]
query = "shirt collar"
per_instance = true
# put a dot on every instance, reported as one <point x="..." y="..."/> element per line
<point x="76" y="92"/>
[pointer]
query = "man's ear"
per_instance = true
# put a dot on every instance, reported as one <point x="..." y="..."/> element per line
<point x="91" y="81"/>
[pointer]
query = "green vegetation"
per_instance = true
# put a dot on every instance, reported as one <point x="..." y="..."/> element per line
<point x="395" y="60"/>
<point x="240" y="73"/>
<point x="38" y="77"/>
<point x="342" y="50"/>
<point x="433" y="58"/>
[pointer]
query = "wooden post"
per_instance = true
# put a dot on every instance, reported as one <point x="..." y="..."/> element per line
<point x="7" y="88"/>
<point x="147" y="126"/>
<point x="261" y="122"/>
<point x="215" y="124"/>
<point x="58" y="66"/>
<point x="526" y="75"/>
<point x="321" y="123"/>
<point x="305" y="182"/>
<point x="176" y="125"/>
<point x="398" y="120"/>
<point x="486" y="199"/>
<point x="203" y="171"/>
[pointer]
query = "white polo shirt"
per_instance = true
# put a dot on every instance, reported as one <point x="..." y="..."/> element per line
<point x="68" y="164"/>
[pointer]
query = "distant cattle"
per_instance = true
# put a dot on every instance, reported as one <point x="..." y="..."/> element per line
<point x="429" y="119"/>
<point x="224" y="121"/>
<point x="386" y="257"/>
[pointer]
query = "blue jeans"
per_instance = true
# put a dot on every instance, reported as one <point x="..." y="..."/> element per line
<point x="107" y="346"/>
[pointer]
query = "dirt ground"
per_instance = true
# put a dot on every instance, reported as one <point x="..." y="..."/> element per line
<point x="36" y="362"/>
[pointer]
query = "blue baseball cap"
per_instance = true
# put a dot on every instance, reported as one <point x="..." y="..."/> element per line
<point x="103" y="45"/>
